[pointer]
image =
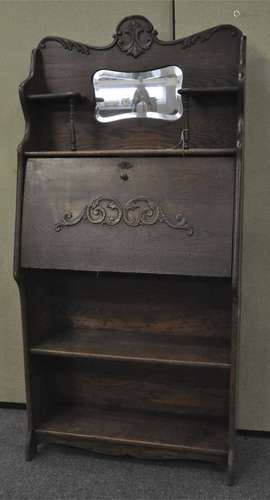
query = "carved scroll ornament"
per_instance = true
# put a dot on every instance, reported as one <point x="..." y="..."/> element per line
<point x="136" y="212"/>
<point x="135" y="35"/>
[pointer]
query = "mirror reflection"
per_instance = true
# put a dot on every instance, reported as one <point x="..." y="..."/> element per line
<point x="149" y="94"/>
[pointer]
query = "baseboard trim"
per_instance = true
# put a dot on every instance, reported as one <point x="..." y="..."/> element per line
<point x="243" y="432"/>
<point x="15" y="406"/>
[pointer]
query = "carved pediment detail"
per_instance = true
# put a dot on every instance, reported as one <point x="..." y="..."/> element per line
<point x="204" y="36"/>
<point x="135" y="35"/>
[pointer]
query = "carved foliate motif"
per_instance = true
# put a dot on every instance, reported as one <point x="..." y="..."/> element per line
<point x="136" y="212"/>
<point x="135" y="35"/>
<point x="204" y="36"/>
<point x="66" y="43"/>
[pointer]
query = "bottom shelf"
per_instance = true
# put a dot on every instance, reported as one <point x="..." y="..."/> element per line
<point x="187" y="436"/>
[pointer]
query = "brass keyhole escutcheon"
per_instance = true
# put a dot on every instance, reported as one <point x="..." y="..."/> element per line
<point x="124" y="165"/>
<point x="124" y="176"/>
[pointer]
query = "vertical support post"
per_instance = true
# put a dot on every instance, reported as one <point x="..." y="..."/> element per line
<point x="185" y="131"/>
<point x="30" y="447"/>
<point x="72" y="124"/>
<point x="236" y="259"/>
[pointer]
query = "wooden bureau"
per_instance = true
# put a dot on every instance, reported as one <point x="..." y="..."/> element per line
<point x="127" y="249"/>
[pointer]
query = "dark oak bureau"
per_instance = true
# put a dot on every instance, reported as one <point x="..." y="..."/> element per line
<point x="128" y="247"/>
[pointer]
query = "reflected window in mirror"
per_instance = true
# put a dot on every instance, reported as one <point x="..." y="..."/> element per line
<point x="148" y="94"/>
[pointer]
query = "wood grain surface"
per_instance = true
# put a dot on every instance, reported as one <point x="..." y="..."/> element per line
<point x="199" y="189"/>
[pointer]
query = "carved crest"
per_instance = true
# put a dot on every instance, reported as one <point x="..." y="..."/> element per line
<point x="135" y="35"/>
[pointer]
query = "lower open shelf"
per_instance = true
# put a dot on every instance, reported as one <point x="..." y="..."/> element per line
<point x="207" y="438"/>
<point x="131" y="364"/>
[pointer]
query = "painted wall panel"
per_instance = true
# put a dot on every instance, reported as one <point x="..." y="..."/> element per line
<point x="22" y="25"/>
<point x="253" y="18"/>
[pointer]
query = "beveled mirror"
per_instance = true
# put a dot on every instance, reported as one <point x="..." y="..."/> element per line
<point x="148" y="94"/>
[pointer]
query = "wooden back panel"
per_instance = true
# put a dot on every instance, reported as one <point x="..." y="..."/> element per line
<point x="129" y="386"/>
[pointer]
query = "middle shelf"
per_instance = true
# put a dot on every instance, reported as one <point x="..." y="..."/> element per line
<point x="174" y="349"/>
<point x="165" y="320"/>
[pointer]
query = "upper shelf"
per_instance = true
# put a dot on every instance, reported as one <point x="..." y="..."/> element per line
<point x="218" y="152"/>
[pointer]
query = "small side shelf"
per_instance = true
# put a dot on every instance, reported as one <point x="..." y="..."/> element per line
<point x="55" y="96"/>
<point x="208" y="90"/>
<point x="71" y="98"/>
<point x="193" y="436"/>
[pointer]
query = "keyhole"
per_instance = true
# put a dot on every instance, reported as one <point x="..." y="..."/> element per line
<point x="124" y="176"/>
